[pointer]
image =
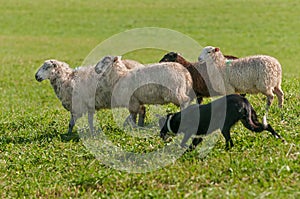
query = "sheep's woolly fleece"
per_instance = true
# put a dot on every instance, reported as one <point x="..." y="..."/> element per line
<point x="155" y="84"/>
<point x="253" y="74"/>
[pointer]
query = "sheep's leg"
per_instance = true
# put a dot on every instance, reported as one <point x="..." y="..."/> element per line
<point x="270" y="98"/>
<point x="280" y="95"/>
<point x="133" y="117"/>
<point x="131" y="120"/>
<point x="199" y="99"/>
<point x="185" y="102"/>
<point x="71" y="124"/>
<point x="91" y="122"/>
<point x="134" y="109"/>
<point x="142" y="115"/>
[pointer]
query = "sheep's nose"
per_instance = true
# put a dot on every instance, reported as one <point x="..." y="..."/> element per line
<point x="98" y="70"/>
<point x="39" y="79"/>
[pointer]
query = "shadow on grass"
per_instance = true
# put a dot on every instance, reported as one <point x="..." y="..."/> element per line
<point x="48" y="137"/>
<point x="70" y="137"/>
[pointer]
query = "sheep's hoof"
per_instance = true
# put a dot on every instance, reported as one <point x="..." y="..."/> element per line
<point x="283" y="121"/>
<point x="141" y="124"/>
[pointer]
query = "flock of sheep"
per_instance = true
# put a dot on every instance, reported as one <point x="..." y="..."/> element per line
<point x="172" y="80"/>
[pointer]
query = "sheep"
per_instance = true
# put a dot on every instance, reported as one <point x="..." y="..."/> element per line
<point x="76" y="88"/>
<point x="131" y="64"/>
<point x="222" y="114"/>
<point x="158" y="83"/>
<point x="252" y="74"/>
<point x="201" y="82"/>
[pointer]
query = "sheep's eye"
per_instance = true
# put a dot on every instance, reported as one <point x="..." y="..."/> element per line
<point x="208" y="52"/>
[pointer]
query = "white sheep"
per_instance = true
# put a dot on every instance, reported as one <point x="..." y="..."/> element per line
<point x="159" y="83"/>
<point x="131" y="64"/>
<point x="77" y="89"/>
<point x="253" y="74"/>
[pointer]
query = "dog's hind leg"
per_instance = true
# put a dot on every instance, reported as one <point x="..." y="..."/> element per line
<point x="276" y="135"/>
<point x="259" y="127"/>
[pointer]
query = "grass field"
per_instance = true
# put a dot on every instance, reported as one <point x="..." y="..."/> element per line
<point x="35" y="162"/>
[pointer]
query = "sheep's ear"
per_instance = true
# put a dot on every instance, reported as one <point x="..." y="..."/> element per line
<point x="217" y="49"/>
<point x="117" y="58"/>
<point x="53" y="63"/>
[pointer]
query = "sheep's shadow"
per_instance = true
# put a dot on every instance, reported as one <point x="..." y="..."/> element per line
<point x="47" y="137"/>
<point x="66" y="137"/>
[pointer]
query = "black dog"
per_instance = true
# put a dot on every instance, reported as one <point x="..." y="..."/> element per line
<point x="221" y="114"/>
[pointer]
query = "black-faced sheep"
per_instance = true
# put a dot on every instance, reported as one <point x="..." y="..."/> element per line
<point x="253" y="74"/>
<point x="198" y="71"/>
<point x="160" y="83"/>
<point x="222" y="114"/>
<point x="65" y="81"/>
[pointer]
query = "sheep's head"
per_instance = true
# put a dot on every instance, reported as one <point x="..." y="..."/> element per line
<point x="207" y="53"/>
<point x="108" y="62"/>
<point x="47" y="69"/>
<point x="169" y="57"/>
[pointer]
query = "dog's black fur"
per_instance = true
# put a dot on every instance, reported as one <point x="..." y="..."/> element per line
<point x="221" y="114"/>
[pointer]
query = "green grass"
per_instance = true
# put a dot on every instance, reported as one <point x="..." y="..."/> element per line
<point x="35" y="162"/>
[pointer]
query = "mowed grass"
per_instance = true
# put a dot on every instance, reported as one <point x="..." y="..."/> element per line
<point x="35" y="162"/>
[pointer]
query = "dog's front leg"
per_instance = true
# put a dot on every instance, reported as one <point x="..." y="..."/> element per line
<point x="228" y="140"/>
<point x="184" y="140"/>
<point x="194" y="144"/>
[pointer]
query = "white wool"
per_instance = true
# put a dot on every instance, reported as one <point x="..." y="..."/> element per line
<point x="252" y="74"/>
<point x="159" y="83"/>
<point x="79" y="90"/>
